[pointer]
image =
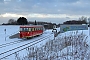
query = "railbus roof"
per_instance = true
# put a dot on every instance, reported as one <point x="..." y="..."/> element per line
<point x="30" y="26"/>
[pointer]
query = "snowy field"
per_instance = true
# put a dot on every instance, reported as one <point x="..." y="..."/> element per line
<point x="11" y="30"/>
<point x="62" y="39"/>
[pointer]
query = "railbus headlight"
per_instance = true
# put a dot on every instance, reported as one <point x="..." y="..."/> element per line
<point x="28" y="32"/>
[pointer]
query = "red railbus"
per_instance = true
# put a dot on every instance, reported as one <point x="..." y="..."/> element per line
<point x="30" y="31"/>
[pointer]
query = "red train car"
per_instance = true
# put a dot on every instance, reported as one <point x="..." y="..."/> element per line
<point x="30" y="31"/>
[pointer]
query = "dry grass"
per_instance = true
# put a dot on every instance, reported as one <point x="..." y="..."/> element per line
<point x="75" y="46"/>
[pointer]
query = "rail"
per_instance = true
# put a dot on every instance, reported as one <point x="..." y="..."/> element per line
<point x="10" y="43"/>
<point x="9" y="52"/>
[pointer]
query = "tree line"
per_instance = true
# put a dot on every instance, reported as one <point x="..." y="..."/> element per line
<point x="23" y="21"/>
<point x="81" y="20"/>
<point x="20" y="21"/>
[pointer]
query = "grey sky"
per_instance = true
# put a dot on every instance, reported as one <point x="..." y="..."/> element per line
<point x="56" y="11"/>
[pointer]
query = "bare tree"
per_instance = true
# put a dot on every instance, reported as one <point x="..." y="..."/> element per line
<point x="84" y="19"/>
<point x="11" y="21"/>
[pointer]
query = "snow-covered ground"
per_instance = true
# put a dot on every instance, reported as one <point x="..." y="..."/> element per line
<point x="10" y="30"/>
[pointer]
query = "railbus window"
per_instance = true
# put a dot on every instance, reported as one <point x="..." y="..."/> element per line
<point x="41" y="28"/>
<point x="29" y="29"/>
<point x="26" y="29"/>
<point x="36" y="28"/>
<point x="32" y="29"/>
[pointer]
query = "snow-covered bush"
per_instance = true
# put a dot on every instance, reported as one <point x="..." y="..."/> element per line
<point x="71" y="47"/>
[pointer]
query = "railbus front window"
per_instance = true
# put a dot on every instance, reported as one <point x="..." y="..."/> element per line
<point x="24" y="29"/>
<point x="21" y="29"/>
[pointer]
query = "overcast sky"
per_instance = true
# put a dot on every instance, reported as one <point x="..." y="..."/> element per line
<point x="55" y="11"/>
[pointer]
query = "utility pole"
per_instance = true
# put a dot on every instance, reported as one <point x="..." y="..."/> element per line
<point x="5" y="34"/>
<point x="55" y="32"/>
<point x="89" y="25"/>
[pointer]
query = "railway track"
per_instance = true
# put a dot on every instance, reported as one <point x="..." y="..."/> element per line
<point x="22" y="47"/>
<point x="10" y="43"/>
